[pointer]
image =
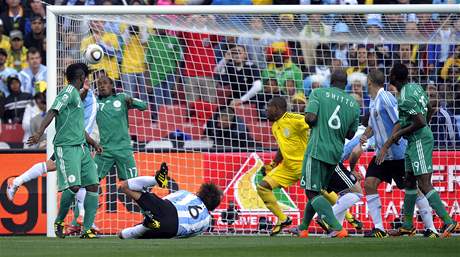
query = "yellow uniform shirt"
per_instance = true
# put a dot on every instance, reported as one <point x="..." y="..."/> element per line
<point x="133" y="57"/>
<point x="450" y="62"/>
<point x="5" y="42"/>
<point x="291" y="134"/>
<point x="108" y="63"/>
<point x="17" y="60"/>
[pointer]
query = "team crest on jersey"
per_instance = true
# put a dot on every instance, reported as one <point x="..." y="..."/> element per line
<point x="117" y="104"/>
<point x="71" y="178"/>
<point x="286" y="132"/>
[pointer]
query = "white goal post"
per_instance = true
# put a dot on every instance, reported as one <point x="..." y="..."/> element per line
<point x="77" y="12"/>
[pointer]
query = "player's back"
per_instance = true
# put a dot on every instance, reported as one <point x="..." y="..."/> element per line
<point x="194" y="217"/>
<point x="337" y="115"/>
<point x="413" y="100"/>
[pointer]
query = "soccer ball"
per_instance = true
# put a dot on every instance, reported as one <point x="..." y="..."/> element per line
<point x="94" y="54"/>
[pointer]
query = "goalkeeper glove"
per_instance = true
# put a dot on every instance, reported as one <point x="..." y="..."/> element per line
<point x="267" y="168"/>
<point x="161" y="176"/>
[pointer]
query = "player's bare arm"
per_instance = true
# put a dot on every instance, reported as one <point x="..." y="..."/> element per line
<point x="311" y="119"/>
<point x="84" y="90"/>
<point x="354" y="158"/>
<point x="368" y="133"/>
<point x="45" y="123"/>
<point x="93" y="143"/>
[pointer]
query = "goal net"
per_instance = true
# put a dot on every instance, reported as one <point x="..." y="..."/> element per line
<point x="208" y="77"/>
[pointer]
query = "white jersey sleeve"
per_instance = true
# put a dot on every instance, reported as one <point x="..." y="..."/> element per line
<point x="194" y="217"/>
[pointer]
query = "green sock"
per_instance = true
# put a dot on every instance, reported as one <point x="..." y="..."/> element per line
<point x="91" y="203"/>
<point x="410" y="197"/>
<point x="324" y="210"/>
<point x="67" y="197"/>
<point x="308" y="214"/>
<point x="438" y="206"/>
<point x="76" y="213"/>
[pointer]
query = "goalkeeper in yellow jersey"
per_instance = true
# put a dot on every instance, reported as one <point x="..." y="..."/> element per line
<point x="291" y="134"/>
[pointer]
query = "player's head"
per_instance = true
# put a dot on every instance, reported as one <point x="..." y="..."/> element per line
<point x="276" y="107"/>
<point x="104" y="86"/>
<point x="77" y="73"/>
<point x="210" y="194"/>
<point x="339" y="79"/>
<point x="399" y="75"/>
<point x="375" y="81"/>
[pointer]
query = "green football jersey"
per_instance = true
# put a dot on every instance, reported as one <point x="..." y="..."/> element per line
<point x="112" y="121"/>
<point x="413" y="100"/>
<point x="337" y="113"/>
<point x="70" y="127"/>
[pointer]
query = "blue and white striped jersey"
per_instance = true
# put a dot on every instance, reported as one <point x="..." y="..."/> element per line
<point x="194" y="217"/>
<point x="383" y="117"/>
<point x="350" y="144"/>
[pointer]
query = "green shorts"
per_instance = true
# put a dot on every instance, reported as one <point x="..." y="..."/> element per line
<point x="122" y="159"/>
<point x="75" y="167"/>
<point x="419" y="156"/>
<point x="316" y="174"/>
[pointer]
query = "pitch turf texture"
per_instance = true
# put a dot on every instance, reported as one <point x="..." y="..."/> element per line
<point x="229" y="246"/>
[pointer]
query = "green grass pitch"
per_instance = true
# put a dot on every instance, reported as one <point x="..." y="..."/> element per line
<point x="229" y="246"/>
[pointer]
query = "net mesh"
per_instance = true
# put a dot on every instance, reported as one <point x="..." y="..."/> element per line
<point x="192" y="68"/>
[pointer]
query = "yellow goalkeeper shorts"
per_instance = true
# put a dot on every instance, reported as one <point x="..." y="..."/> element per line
<point x="284" y="176"/>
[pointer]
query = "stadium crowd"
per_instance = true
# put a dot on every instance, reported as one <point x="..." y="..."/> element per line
<point x="224" y="82"/>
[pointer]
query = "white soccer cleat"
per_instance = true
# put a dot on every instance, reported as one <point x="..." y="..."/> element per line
<point x="11" y="191"/>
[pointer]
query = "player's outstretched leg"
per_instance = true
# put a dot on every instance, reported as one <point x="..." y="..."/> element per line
<point x="346" y="201"/>
<point x="34" y="172"/>
<point x="332" y="197"/>
<point x="375" y="207"/>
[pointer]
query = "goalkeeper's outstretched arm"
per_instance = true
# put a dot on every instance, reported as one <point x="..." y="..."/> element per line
<point x="134" y="103"/>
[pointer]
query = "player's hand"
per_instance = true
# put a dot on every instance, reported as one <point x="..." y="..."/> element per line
<point x="381" y="155"/>
<point x="34" y="139"/>
<point x="357" y="175"/>
<point x="363" y="139"/>
<point x="98" y="148"/>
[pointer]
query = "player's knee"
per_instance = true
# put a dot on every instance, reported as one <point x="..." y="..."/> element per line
<point x="92" y="188"/>
<point x="425" y="185"/>
<point x="74" y="188"/>
<point x="370" y="185"/>
<point x="50" y="165"/>
<point x="123" y="186"/>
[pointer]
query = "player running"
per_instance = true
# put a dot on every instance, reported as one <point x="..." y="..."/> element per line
<point x="333" y="116"/>
<point x="291" y="134"/>
<point x="75" y="167"/>
<point x="180" y="214"/>
<point x="414" y="113"/>
<point x="383" y="119"/>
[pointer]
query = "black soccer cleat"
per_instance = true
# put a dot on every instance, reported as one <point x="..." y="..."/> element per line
<point x="59" y="229"/>
<point x="323" y="225"/>
<point x="89" y="234"/>
<point x="377" y="233"/>
<point x="151" y="221"/>
<point x="402" y="231"/>
<point x="448" y="229"/>
<point x="279" y="227"/>
<point x="357" y="224"/>
<point x="430" y="234"/>
<point x="161" y="176"/>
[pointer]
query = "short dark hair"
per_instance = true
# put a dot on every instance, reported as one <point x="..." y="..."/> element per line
<point x="399" y="72"/>
<point x="377" y="77"/>
<point x="75" y="70"/>
<point x="279" y="102"/>
<point x="33" y="50"/>
<point x="40" y="97"/>
<point x="210" y="194"/>
<point x="339" y="79"/>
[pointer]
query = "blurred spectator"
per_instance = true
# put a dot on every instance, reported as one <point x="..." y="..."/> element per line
<point x="4" y="39"/>
<point x="281" y="68"/>
<point x="231" y="2"/>
<point x="17" y="56"/>
<point x="16" y="102"/>
<point x="255" y="46"/>
<point x="37" y="35"/>
<point x="322" y="65"/>
<point x="373" y="27"/>
<point x="225" y="44"/>
<point x="407" y="53"/>
<point x="359" y="63"/>
<point x="416" y="74"/>
<point x="314" y="81"/>
<point x="5" y="72"/>
<point x="13" y="16"/>
<point x="109" y="42"/>
<point x="298" y="103"/>
<point x="163" y="54"/>
<point x="199" y="60"/>
<point x="225" y="129"/>
<point x="411" y="31"/>
<point x="32" y="76"/>
<point x="38" y="8"/>
<point x="243" y="75"/>
<point x="395" y="22"/>
<point x="133" y="63"/>
<point x="34" y="108"/>
<point x="443" y="123"/>
<point x="271" y="89"/>
<point x="357" y="84"/>
<point x="262" y="2"/>
<point x="314" y="29"/>
<point x="80" y="2"/>
<point x="426" y="25"/>
<point x="453" y="61"/>
<point x="2" y="104"/>
<point x="341" y="31"/>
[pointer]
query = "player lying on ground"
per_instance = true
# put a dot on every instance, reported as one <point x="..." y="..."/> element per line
<point x="291" y="134"/>
<point x="414" y="113"/>
<point x="39" y="169"/>
<point x="383" y="119"/>
<point x="180" y="214"/>
<point x="333" y="115"/>
<point x="75" y="167"/>
<point x="112" y="121"/>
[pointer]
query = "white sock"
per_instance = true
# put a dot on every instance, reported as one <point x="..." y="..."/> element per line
<point x="426" y="212"/>
<point x="344" y="203"/>
<point x="138" y="183"/>
<point x="375" y="210"/>
<point x="80" y="199"/>
<point x="34" y="172"/>
<point x="133" y="232"/>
